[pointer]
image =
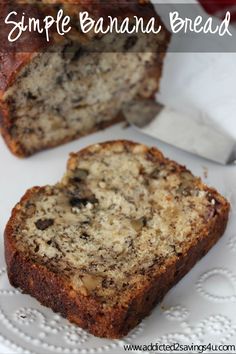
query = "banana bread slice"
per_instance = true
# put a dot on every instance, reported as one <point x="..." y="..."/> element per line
<point x="103" y="246"/>
<point x="49" y="97"/>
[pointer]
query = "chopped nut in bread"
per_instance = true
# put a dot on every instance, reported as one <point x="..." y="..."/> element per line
<point x="49" y="97"/>
<point x="122" y="227"/>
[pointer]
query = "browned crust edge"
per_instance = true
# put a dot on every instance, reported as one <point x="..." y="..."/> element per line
<point x="13" y="63"/>
<point x="18" y="149"/>
<point x="87" y="312"/>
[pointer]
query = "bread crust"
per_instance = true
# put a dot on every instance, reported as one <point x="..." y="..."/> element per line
<point x="13" y="62"/>
<point x="18" y="149"/>
<point x="86" y="311"/>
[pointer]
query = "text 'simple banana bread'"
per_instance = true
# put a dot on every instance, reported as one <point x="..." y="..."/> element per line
<point x="103" y="246"/>
<point x="48" y="98"/>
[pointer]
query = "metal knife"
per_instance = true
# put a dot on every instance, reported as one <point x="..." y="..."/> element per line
<point x="196" y="136"/>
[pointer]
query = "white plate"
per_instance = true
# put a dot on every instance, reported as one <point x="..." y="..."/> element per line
<point x="199" y="310"/>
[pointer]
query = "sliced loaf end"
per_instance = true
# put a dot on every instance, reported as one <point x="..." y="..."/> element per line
<point x="104" y="245"/>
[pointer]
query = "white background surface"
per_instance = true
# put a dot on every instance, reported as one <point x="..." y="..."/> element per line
<point x="200" y="309"/>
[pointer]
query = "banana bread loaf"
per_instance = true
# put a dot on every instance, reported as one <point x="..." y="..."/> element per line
<point x="48" y="97"/>
<point x="103" y="246"/>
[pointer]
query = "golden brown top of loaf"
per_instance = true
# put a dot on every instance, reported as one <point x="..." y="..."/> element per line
<point x="12" y="60"/>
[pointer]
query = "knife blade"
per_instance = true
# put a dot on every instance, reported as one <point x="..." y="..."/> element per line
<point x="195" y="135"/>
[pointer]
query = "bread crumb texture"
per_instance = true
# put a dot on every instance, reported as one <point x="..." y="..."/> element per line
<point x="60" y="96"/>
<point x="119" y="213"/>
